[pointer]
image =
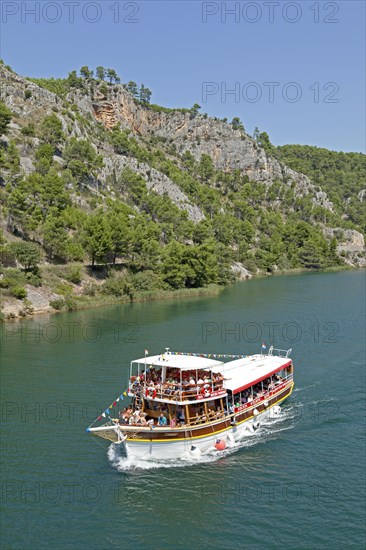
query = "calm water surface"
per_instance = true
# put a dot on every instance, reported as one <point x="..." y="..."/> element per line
<point x="297" y="483"/>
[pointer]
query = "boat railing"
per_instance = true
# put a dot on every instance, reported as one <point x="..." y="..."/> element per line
<point x="268" y="393"/>
<point x="174" y="391"/>
<point x="279" y="352"/>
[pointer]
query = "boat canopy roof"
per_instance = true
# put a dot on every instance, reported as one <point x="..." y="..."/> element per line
<point x="181" y="362"/>
<point x="243" y="373"/>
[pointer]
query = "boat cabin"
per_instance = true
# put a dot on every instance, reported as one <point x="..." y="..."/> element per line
<point x="187" y="389"/>
<point x="182" y="387"/>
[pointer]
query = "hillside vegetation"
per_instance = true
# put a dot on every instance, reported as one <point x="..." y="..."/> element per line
<point x="125" y="212"/>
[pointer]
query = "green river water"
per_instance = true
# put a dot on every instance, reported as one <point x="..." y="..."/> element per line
<point x="298" y="482"/>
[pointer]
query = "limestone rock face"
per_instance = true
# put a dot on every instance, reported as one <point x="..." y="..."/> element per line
<point x="229" y="149"/>
<point x="155" y="181"/>
<point x="240" y="271"/>
<point x="351" y="245"/>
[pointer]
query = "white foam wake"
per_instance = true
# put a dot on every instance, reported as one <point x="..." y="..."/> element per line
<point x="268" y="430"/>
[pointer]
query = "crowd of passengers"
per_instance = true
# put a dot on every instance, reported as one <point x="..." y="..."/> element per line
<point x="191" y="384"/>
<point x="257" y="391"/>
<point x="139" y="418"/>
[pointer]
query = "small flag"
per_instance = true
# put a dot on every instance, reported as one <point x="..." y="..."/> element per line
<point x="99" y="417"/>
<point x="107" y="411"/>
<point x="121" y="396"/>
<point x="103" y="415"/>
<point x="146" y="351"/>
<point x="125" y="394"/>
<point x="115" y="403"/>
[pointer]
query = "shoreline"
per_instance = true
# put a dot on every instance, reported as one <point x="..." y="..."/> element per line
<point x="92" y="302"/>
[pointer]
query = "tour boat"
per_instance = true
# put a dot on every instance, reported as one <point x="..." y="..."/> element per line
<point x="189" y="404"/>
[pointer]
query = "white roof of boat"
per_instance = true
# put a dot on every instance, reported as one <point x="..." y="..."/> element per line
<point x="182" y="361"/>
<point x="243" y="373"/>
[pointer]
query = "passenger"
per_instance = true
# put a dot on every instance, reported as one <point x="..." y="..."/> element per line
<point x="162" y="420"/>
<point x="180" y="416"/>
<point x="173" y="423"/>
<point x="150" y="422"/>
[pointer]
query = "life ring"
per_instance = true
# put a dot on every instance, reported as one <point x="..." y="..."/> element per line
<point x="206" y="392"/>
<point x="265" y="403"/>
<point x="150" y="393"/>
<point x="255" y="412"/>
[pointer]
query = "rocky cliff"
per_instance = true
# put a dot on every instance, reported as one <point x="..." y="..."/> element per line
<point x="199" y="134"/>
<point x="229" y="149"/>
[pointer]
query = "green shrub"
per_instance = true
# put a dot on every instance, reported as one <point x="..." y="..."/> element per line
<point x="28" y="130"/>
<point x="114" y="286"/>
<point x="75" y="252"/>
<point x="70" y="303"/>
<point x="57" y="304"/>
<point x="12" y="278"/>
<point x="146" y="280"/>
<point x="33" y="279"/>
<point x="74" y="275"/>
<point x="90" y="289"/>
<point x="18" y="292"/>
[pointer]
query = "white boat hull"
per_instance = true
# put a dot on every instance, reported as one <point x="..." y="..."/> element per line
<point x="177" y="449"/>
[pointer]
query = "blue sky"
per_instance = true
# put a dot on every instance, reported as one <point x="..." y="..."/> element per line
<point x="310" y="51"/>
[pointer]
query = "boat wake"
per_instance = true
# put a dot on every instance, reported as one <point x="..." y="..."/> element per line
<point x="268" y="430"/>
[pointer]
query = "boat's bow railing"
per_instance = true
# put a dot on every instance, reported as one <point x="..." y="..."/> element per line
<point x="279" y="352"/>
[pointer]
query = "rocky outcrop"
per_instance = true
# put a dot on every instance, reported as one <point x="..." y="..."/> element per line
<point x="229" y="149"/>
<point x="351" y="245"/>
<point x="198" y="134"/>
<point x="240" y="271"/>
<point x="155" y="181"/>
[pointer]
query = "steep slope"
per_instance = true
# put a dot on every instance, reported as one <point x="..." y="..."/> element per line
<point x="176" y="199"/>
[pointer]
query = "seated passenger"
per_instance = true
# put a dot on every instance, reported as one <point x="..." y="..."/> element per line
<point x="180" y="416"/>
<point x="162" y="420"/>
<point x="173" y="423"/>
